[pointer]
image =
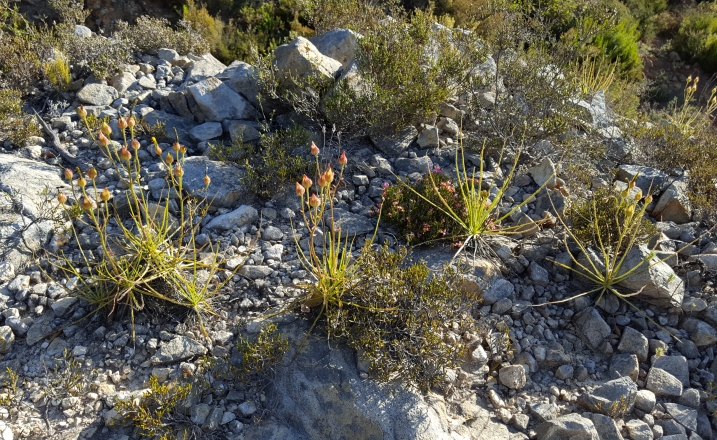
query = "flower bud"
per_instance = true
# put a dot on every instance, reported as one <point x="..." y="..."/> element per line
<point x="342" y="159"/>
<point x="300" y="190"/>
<point x="314" y="201"/>
<point x="207" y="180"/>
<point x="322" y="180"/>
<point x="92" y="173"/>
<point x="624" y="193"/>
<point x="306" y="182"/>
<point x="105" y="195"/>
<point x="82" y="112"/>
<point x="648" y="199"/>
<point x="106" y="129"/>
<point x="69" y="174"/>
<point x="631" y="184"/>
<point x="183" y="149"/>
<point x="62" y="198"/>
<point x="638" y="196"/>
<point x="169" y="158"/>
<point x="135" y="144"/>
<point x="131" y="121"/>
<point x="87" y="203"/>
<point x="122" y="123"/>
<point x="81" y="182"/>
<point x="314" y="149"/>
<point x="124" y="154"/>
<point x="329" y="176"/>
<point x="157" y="150"/>
<point x="102" y="139"/>
<point x="176" y="146"/>
<point x="689" y="79"/>
<point x="630" y="210"/>
<point x="178" y="171"/>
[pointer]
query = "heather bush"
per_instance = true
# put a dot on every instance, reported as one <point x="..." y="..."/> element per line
<point x="416" y="218"/>
<point x="696" y="39"/>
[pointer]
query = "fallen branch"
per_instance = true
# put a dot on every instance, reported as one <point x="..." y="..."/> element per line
<point x="55" y="143"/>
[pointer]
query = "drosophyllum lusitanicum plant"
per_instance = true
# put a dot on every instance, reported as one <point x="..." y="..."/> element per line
<point x="331" y="266"/>
<point x="152" y="254"/>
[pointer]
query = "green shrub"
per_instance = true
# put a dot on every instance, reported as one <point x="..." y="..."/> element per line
<point x="150" y="34"/>
<point x="234" y="29"/>
<point x="397" y="316"/>
<point x="395" y="91"/>
<point x="645" y="12"/>
<point x="257" y="357"/>
<point x="15" y="125"/>
<point x="603" y="216"/>
<point x="155" y="414"/>
<point x="70" y="11"/>
<point x="696" y="39"/>
<point x="414" y="216"/>
<point x="621" y="43"/>
<point x="662" y="145"/>
<point x="58" y="73"/>
<point x="270" y="165"/>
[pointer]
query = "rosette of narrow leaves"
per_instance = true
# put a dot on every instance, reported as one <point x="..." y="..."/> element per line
<point x="149" y="254"/>
<point x="480" y="214"/>
<point x="328" y="256"/>
<point x="609" y="242"/>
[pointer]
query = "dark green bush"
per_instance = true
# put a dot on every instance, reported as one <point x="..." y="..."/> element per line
<point x="271" y="164"/>
<point x="397" y="317"/>
<point x="15" y="125"/>
<point x="696" y="39"/>
<point x="621" y="43"/>
<point x="645" y="12"/>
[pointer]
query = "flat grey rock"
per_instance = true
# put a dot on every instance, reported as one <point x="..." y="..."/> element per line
<point x="663" y="383"/>
<point x="684" y="415"/>
<point x="570" y="426"/>
<point x="241" y="216"/>
<point x="593" y="328"/>
<point x="224" y="191"/>
<point x="394" y="144"/>
<point x="178" y="349"/>
<point x="97" y="94"/>
<point x="352" y="225"/>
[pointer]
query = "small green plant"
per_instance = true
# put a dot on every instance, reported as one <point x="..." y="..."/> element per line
<point x="397" y="315"/>
<point x="688" y="117"/>
<point x="155" y="413"/>
<point x="151" y="256"/>
<point x="393" y="92"/>
<point x="412" y="212"/>
<point x="603" y="217"/>
<point x="602" y="263"/>
<point x="15" y="125"/>
<point x="696" y="39"/>
<point x="58" y="73"/>
<point x="158" y="130"/>
<point x="150" y="34"/>
<point x="258" y="355"/>
<point x="11" y="393"/>
<point x="595" y="74"/>
<point x="270" y="165"/>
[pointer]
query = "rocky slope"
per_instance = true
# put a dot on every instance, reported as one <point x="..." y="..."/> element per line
<point x="573" y="369"/>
